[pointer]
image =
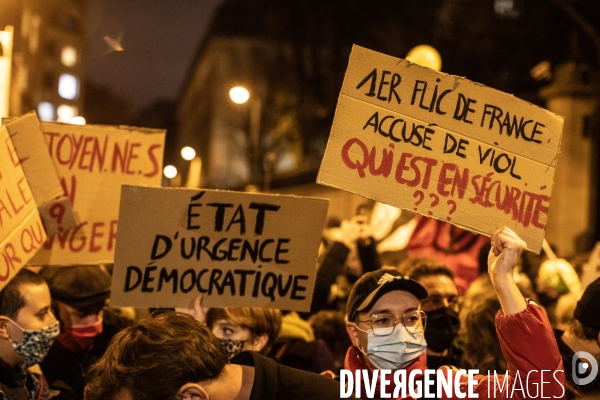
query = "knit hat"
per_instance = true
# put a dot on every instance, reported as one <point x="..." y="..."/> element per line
<point x="372" y="285"/>
<point x="588" y="307"/>
<point x="294" y="327"/>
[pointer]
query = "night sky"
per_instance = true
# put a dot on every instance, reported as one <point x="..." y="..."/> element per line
<point x="159" y="39"/>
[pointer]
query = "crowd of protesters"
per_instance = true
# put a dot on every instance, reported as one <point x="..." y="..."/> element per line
<point x="443" y="298"/>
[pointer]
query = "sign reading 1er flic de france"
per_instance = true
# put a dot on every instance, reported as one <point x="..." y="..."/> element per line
<point x="442" y="146"/>
<point x="236" y="249"/>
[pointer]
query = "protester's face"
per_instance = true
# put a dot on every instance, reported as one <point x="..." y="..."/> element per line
<point x="442" y="292"/>
<point x="36" y="314"/>
<point x="226" y="329"/>
<point x="397" y="303"/>
<point x="70" y="316"/>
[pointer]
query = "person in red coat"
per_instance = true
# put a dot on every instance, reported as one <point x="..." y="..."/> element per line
<point x="386" y="327"/>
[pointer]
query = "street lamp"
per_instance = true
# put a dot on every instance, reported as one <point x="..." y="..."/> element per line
<point x="426" y="56"/>
<point x="188" y="153"/>
<point x="194" y="173"/>
<point x="241" y="95"/>
<point x="170" y="171"/>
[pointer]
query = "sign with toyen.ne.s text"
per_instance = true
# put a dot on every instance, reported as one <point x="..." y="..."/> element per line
<point x="236" y="249"/>
<point x="93" y="161"/>
<point x="442" y="146"/>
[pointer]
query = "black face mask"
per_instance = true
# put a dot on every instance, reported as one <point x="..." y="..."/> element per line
<point x="441" y="329"/>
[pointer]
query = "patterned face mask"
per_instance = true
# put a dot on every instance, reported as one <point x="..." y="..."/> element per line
<point x="232" y="347"/>
<point x="35" y="344"/>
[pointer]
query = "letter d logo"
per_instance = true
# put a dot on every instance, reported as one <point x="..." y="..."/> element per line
<point x="582" y="361"/>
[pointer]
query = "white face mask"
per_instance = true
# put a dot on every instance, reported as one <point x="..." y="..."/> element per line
<point x="394" y="351"/>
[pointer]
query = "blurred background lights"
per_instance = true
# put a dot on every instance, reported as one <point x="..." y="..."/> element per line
<point x="170" y="171"/>
<point x="188" y="153"/>
<point x="239" y="94"/>
<point x="45" y="111"/>
<point x="425" y="56"/>
<point x="65" y="112"/>
<point x="67" y="86"/>
<point x="77" y="120"/>
<point x="68" y="56"/>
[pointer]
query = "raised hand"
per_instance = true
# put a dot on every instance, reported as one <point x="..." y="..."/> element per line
<point x="504" y="255"/>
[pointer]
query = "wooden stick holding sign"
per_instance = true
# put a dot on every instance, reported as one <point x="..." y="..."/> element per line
<point x="237" y="249"/>
<point x="442" y="146"/>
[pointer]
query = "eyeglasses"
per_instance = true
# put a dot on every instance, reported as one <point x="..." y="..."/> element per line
<point x="384" y="324"/>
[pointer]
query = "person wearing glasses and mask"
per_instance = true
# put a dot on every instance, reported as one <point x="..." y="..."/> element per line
<point x="386" y="325"/>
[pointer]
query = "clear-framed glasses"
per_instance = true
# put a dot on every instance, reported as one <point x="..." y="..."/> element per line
<point x="384" y="324"/>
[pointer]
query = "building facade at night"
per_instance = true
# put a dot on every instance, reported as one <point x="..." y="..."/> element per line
<point x="292" y="56"/>
<point x="49" y="45"/>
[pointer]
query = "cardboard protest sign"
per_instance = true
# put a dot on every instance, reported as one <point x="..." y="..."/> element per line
<point x="93" y="162"/>
<point x="237" y="249"/>
<point x="21" y="229"/>
<point x="42" y="176"/>
<point x="442" y="146"/>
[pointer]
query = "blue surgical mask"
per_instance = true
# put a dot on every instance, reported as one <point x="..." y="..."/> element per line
<point x="395" y="351"/>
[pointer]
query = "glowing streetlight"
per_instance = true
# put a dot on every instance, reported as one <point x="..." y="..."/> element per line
<point x="170" y="171"/>
<point x="239" y="95"/>
<point x="188" y="153"/>
<point x="425" y="56"/>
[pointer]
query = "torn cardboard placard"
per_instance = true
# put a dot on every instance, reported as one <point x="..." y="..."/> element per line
<point x="93" y="161"/>
<point x="42" y="176"/>
<point x="442" y="146"/>
<point x="21" y="230"/>
<point x="237" y="249"/>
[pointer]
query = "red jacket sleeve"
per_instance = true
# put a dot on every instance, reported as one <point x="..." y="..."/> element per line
<point x="535" y="368"/>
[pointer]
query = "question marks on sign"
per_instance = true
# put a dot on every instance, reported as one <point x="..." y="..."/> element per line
<point x="436" y="199"/>
<point x="453" y="203"/>
<point x="420" y="194"/>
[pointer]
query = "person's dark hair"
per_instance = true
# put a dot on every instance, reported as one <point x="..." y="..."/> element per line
<point x="11" y="299"/>
<point x="330" y="326"/>
<point x="417" y="268"/>
<point x="153" y="358"/>
<point x="582" y="331"/>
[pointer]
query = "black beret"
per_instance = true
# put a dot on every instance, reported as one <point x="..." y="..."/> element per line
<point x="79" y="285"/>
